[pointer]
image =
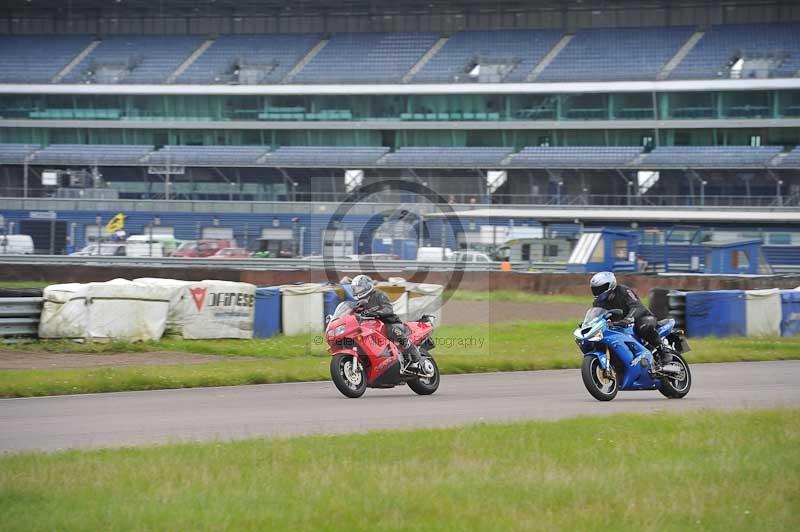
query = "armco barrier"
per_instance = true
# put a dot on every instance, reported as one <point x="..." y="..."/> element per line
<point x="716" y="313"/>
<point x="19" y="316"/>
<point x="790" y="313"/>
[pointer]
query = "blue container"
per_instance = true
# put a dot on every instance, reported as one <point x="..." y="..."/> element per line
<point x="790" y="312"/>
<point x="330" y="300"/>
<point x="716" y="313"/>
<point x="267" y="319"/>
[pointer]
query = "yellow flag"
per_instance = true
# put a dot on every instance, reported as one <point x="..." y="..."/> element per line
<point x="117" y="223"/>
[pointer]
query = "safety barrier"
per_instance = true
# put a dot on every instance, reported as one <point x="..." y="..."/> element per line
<point x="769" y="312"/>
<point x="19" y="317"/>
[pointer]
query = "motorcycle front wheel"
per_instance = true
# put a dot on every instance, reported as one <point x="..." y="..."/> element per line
<point x="349" y="378"/>
<point x="426" y="385"/>
<point x="676" y="387"/>
<point x="602" y="387"/>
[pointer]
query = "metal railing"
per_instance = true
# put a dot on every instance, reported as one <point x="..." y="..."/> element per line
<point x="320" y="203"/>
<point x="19" y="317"/>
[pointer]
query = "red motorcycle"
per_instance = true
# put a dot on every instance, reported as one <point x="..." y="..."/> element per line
<point x="364" y="357"/>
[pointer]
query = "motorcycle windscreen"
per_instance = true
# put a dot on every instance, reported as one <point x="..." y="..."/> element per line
<point x="591" y="314"/>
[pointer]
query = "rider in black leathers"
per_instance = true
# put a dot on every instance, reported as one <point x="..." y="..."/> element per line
<point x="609" y="295"/>
<point x="376" y="304"/>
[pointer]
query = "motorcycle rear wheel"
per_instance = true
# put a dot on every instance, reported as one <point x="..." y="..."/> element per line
<point x="426" y="386"/>
<point x="677" y="388"/>
<point x="597" y="384"/>
<point x="352" y="382"/>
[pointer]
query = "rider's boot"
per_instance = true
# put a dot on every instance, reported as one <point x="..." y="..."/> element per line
<point x="411" y="353"/>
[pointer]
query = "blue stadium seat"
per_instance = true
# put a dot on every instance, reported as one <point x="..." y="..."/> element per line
<point x="91" y="154"/>
<point x="712" y="55"/>
<point x="37" y="58"/>
<point x="16" y="153"/>
<point x="326" y="155"/>
<point x="446" y="157"/>
<point x="710" y="156"/>
<point x="366" y="58"/>
<point x="616" y="54"/>
<point x="575" y="157"/>
<point x="208" y="155"/>
<point x="276" y="54"/>
<point x="524" y="47"/>
<point x="144" y="58"/>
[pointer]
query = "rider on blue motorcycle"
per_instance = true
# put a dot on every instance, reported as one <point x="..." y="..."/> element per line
<point x="609" y="295"/>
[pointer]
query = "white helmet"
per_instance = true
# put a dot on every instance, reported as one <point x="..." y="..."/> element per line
<point x="602" y="284"/>
<point x="362" y="286"/>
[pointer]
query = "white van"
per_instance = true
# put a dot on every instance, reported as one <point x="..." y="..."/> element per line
<point x="106" y="249"/>
<point x="16" y="245"/>
<point x="144" y="246"/>
<point x="168" y="242"/>
<point x="433" y="254"/>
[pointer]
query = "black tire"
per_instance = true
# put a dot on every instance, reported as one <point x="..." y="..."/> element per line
<point x="339" y="365"/>
<point x="427" y="386"/>
<point x="591" y="379"/>
<point x="677" y="388"/>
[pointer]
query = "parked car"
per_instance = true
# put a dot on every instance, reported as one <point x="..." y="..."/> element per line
<point x="231" y="253"/>
<point x="433" y="254"/>
<point x="470" y="256"/>
<point x="16" y="245"/>
<point x="103" y="250"/>
<point x="202" y="248"/>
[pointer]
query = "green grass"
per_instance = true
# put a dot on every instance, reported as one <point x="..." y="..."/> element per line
<point x="701" y="471"/>
<point x="516" y="297"/>
<point x="504" y="347"/>
<point x="25" y="284"/>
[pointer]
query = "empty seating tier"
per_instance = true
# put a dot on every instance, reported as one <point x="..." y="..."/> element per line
<point x="710" y="157"/>
<point x="133" y="59"/>
<point x="616" y="54"/>
<point x="37" y="58"/>
<point x="366" y="58"/>
<point x="772" y="50"/>
<point x="326" y="155"/>
<point x="576" y="157"/>
<point x="208" y="155"/>
<point x="446" y="157"/>
<point x="249" y="58"/>
<point x="16" y="153"/>
<point x="519" y="50"/>
<point x="92" y="154"/>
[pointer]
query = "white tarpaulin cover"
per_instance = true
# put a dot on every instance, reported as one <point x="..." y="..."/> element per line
<point x="201" y="310"/>
<point x="218" y="309"/>
<point x="64" y="312"/>
<point x="425" y="298"/>
<point x="302" y="308"/>
<point x="125" y="310"/>
<point x="396" y="289"/>
<point x="177" y="292"/>
<point x="763" y="312"/>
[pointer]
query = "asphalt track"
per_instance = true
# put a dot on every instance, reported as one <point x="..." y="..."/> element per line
<point x="136" y="418"/>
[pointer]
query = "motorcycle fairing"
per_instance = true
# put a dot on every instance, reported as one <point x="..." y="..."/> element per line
<point x="630" y="353"/>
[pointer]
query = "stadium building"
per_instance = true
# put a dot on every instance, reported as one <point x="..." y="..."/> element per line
<point x="255" y="119"/>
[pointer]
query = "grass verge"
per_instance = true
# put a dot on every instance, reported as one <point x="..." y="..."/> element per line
<point x="705" y="470"/>
<point x="467" y="349"/>
<point x="516" y="297"/>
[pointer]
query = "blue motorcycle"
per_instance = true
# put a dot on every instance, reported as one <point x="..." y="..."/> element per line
<point x="614" y="359"/>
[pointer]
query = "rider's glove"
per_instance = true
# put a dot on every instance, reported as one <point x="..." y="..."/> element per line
<point x="624" y="322"/>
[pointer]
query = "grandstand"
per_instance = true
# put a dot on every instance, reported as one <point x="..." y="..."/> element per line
<point x="503" y="103"/>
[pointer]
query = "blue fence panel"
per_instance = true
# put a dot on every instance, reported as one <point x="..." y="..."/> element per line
<point x="716" y="313"/>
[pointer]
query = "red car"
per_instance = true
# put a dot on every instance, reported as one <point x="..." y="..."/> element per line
<point x="231" y="253"/>
<point x="202" y="248"/>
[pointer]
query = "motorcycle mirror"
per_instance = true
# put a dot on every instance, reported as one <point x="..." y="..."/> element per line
<point x="328" y="318"/>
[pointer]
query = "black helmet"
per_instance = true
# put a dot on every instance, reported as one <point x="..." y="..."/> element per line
<point x="362" y="286"/>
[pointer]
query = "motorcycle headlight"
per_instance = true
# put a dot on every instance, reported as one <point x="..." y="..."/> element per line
<point x="339" y="330"/>
<point x="597" y="337"/>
